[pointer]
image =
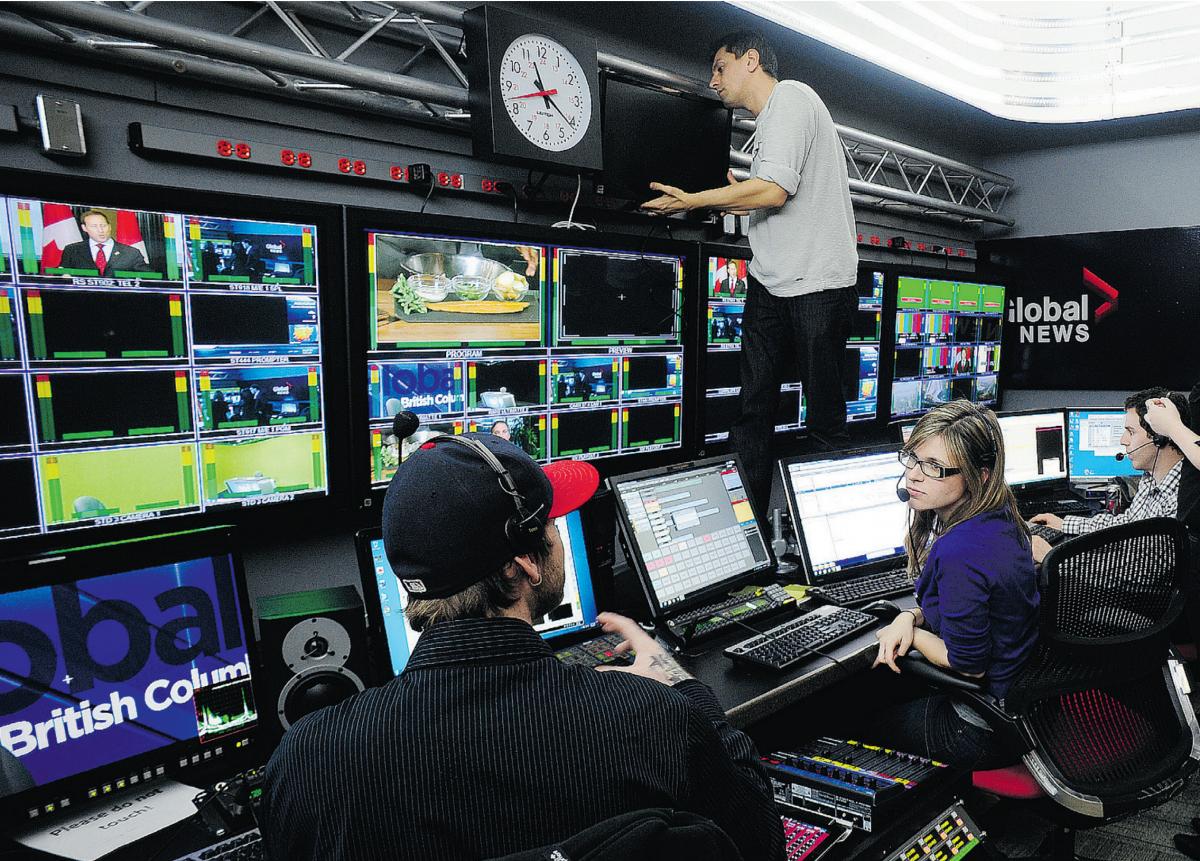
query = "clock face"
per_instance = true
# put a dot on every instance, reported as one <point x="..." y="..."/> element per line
<point x="545" y="92"/>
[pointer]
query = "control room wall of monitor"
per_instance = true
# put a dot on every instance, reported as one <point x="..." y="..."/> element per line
<point x="188" y="381"/>
<point x="569" y="343"/>
<point x="723" y="284"/>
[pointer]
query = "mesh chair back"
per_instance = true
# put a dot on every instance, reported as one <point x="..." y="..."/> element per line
<point x="1115" y="587"/>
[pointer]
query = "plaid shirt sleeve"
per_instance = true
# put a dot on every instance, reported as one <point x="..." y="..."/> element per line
<point x="1151" y="500"/>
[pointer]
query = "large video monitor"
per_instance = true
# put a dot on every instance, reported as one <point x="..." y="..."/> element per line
<point x="386" y="600"/>
<point x="568" y="350"/>
<point x="155" y="364"/>
<point x="689" y="531"/>
<point x="1034" y="448"/>
<point x="725" y="285"/>
<point x="946" y="343"/>
<point x="1093" y="442"/>
<point x="122" y="663"/>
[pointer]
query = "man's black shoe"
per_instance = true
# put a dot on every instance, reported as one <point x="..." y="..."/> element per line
<point x="1188" y="844"/>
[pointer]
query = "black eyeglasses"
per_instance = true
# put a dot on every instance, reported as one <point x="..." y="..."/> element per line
<point x="934" y="470"/>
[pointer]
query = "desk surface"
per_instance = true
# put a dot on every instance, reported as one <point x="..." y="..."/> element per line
<point x="750" y="695"/>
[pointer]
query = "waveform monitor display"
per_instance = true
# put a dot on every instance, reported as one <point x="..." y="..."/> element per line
<point x="133" y="360"/>
<point x="947" y="343"/>
<point x="546" y="345"/>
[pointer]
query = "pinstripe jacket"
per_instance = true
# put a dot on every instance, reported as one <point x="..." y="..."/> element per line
<point x="486" y="745"/>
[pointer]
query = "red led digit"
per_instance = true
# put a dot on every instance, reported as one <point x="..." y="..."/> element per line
<point x="304" y="160"/>
<point x="398" y="173"/>
<point x="224" y="148"/>
<point x="287" y="157"/>
<point x="488" y="185"/>
<point x="242" y="150"/>
<point x="456" y="180"/>
<point x="360" y="167"/>
<point x="344" y="165"/>
<point x="443" y="178"/>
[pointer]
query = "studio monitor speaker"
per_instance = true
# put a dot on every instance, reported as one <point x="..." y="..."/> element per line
<point x="314" y="651"/>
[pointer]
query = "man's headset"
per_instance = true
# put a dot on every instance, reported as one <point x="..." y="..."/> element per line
<point x="525" y="528"/>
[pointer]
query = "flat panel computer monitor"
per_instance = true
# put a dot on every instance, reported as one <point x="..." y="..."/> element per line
<point x="181" y="374"/>
<point x="567" y="351"/>
<point x="386" y="600"/>
<point x="1093" y="442"/>
<point x="119" y="664"/>
<point x="689" y="531"/>
<point x="848" y="519"/>
<point x="1035" y="452"/>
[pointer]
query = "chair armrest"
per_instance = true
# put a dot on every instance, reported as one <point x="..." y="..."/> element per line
<point x="917" y="665"/>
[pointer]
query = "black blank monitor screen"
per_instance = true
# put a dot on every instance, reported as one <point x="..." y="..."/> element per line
<point x="606" y="295"/>
<point x="692" y="153"/>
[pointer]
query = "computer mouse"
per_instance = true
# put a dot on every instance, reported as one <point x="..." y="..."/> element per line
<point x="884" y="611"/>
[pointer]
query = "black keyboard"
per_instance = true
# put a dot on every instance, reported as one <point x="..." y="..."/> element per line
<point x="714" y="618"/>
<point x="1061" y="507"/>
<point x="244" y="847"/>
<point x="860" y="590"/>
<point x="595" y="652"/>
<point x="782" y="647"/>
<point x="1048" y="534"/>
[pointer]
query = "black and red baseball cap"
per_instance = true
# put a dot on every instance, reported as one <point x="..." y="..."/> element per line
<point x="445" y="511"/>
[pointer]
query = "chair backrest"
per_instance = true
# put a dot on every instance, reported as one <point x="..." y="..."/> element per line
<point x="1115" y="587"/>
<point x="653" y="834"/>
<point x="1112" y="732"/>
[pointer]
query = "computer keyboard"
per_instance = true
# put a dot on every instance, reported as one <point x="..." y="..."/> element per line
<point x="782" y="647"/>
<point x="860" y="590"/>
<point x="801" y="839"/>
<point x="1061" y="507"/>
<point x="1048" y="534"/>
<point x="244" y="847"/>
<point x="595" y="652"/>
<point x="714" y="618"/>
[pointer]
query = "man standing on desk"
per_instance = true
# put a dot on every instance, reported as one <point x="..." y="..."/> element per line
<point x="100" y="251"/>
<point x="801" y="297"/>
<point x="486" y="744"/>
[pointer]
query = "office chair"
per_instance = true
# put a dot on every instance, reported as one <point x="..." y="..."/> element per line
<point x="1097" y="716"/>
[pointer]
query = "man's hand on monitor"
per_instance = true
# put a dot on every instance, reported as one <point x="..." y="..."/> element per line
<point x="651" y="660"/>
<point x="1163" y="416"/>
<point x="671" y="200"/>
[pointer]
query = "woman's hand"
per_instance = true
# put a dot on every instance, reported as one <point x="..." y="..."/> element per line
<point x="895" y="640"/>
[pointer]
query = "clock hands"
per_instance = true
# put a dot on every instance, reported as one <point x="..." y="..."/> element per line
<point x="550" y="103"/>
<point x="542" y="93"/>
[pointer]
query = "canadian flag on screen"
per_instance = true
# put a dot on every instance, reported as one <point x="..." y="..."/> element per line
<point x="59" y="229"/>
<point x="128" y="232"/>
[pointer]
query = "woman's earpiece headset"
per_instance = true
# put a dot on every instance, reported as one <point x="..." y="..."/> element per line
<point x="986" y="460"/>
<point x="524" y="529"/>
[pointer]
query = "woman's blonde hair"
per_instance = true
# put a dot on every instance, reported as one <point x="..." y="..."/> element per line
<point x="976" y="446"/>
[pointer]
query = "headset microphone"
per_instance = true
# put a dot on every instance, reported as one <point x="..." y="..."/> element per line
<point x="901" y="494"/>
<point x="1121" y="455"/>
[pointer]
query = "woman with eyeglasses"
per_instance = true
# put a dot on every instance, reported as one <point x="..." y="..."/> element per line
<point x="969" y="553"/>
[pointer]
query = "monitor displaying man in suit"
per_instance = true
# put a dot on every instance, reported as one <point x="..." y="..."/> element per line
<point x="100" y="251"/>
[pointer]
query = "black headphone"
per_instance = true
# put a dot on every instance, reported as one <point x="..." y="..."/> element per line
<point x="987" y="460"/>
<point x="524" y="529"/>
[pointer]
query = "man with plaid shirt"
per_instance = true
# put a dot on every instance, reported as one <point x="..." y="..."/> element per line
<point x="1157" y="456"/>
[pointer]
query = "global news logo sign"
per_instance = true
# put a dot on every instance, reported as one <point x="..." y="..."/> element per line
<point x="1051" y="322"/>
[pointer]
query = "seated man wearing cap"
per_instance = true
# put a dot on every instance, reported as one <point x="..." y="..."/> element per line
<point x="486" y="744"/>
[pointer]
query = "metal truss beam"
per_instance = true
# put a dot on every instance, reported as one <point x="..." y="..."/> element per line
<point x="891" y="174"/>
